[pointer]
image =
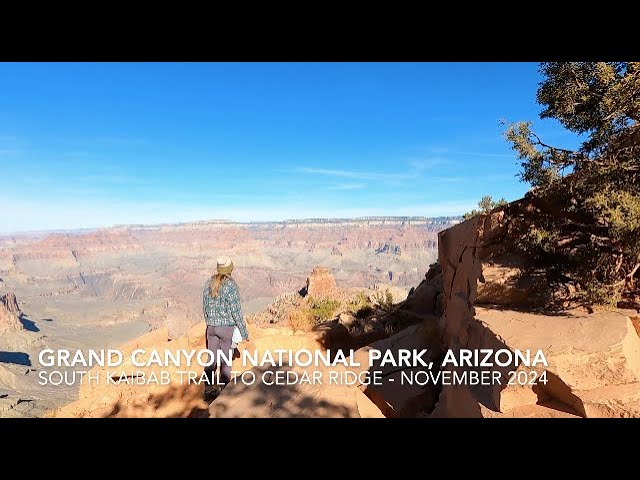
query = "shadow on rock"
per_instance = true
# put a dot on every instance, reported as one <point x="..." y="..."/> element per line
<point x="18" y="358"/>
<point x="29" y="325"/>
<point x="264" y="399"/>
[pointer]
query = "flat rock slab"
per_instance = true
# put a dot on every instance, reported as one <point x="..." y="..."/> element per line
<point x="301" y="400"/>
<point x="594" y="359"/>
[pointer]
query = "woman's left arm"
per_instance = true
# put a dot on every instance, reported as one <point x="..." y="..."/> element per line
<point x="236" y="310"/>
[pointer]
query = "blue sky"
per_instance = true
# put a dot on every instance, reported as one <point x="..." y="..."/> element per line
<point x="95" y="144"/>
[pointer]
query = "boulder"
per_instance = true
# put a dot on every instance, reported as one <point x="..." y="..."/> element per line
<point x="594" y="359"/>
<point x="394" y="397"/>
<point x="347" y="320"/>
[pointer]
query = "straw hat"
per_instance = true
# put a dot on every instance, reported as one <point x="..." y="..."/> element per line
<point x="225" y="265"/>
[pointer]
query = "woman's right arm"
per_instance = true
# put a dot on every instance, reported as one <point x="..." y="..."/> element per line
<point x="205" y="301"/>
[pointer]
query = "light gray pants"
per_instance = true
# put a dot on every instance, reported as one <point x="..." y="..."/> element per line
<point x="219" y="338"/>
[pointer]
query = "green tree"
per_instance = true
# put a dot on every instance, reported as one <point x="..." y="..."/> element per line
<point x="589" y="198"/>
<point x="485" y="205"/>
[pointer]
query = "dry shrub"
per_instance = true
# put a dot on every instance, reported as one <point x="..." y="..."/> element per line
<point x="301" y="319"/>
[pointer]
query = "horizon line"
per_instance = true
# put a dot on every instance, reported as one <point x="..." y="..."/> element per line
<point x="228" y="221"/>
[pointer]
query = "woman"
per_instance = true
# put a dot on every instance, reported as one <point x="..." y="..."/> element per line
<point x="222" y="313"/>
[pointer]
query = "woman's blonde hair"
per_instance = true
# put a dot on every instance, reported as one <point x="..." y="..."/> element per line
<point x="215" y="285"/>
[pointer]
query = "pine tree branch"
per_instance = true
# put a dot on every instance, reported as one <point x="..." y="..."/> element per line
<point x="542" y="144"/>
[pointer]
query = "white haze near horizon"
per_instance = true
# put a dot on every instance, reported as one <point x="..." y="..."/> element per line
<point x="26" y="216"/>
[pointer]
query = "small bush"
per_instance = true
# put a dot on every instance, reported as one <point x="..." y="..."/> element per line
<point x="360" y="300"/>
<point x="597" y="293"/>
<point x="361" y="305"/>
<point x="301" y="319"/>
<point x="384" y="300"/>
<point x="323" y="309"/>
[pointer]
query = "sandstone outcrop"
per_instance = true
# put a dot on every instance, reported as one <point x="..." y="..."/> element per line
<point x="320" y="283"/>
<point x="594" y="358"/>
<point x="9" y="302"/>
<point x="423" y="303"/>
<point x="9" y="313"/>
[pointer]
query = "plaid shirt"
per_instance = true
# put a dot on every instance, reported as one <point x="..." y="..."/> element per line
<point x="224" y="310"/>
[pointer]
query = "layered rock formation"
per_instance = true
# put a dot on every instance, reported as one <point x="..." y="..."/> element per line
<point x="321" y="283"/>
<point x="406" y="234"/>
<point x="9" y="313"/>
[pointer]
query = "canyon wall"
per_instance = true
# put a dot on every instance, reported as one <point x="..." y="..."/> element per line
<point x="154" y="274"/>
